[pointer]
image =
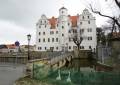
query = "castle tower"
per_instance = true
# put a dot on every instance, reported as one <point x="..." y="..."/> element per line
<point x="63" y="11"/>
<point x="63" y="27"/>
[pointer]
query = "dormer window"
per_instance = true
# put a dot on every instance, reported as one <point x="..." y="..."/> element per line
<point x="62" y="12"/>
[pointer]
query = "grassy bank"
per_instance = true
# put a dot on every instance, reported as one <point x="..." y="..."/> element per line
<point x="29" y="81"/>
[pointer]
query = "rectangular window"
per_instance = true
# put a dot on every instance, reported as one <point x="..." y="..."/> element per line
<point x="62" y="27"/>
<point x="90" y="47"/>
<point x="43" y="33"/>
<point x="82" y="17"/>
<point x="51" y="32"/>
<point x="39" y="40"/>
<point x="81" y="30"/>
<point x="88" y="17"/>
<point x="74" y="31"/>
<point x="80" y="23"/>
<point x="43" y="39"/>
<point x="69" y="39"/>
<point x="56" y="39"/>
<point x="69" y="31"/>
<point x="39" y="48"/>
<point x="39" y="26"/>
<point x="48" y="39"/>
<point x="45" y="48"/>
<point x="68" y="24"/>
<point x="56" y="32"/>
<point x="56" y="48"/>
<point x="39" y="33"/>
<point x="69" y="47"/>
<point x="89" y="38"/>
<point x="51" y="48"/>
<point x="82" y="47"/>
<point x="88" y="22"/>
<point x="89" y="29"/>
<point x="52" y="39"/>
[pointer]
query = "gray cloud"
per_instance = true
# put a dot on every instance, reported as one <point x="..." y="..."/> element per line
<point x="26" y="12"/>
<point x="19" y="17"/>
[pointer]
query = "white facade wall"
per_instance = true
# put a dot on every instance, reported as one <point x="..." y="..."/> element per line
<point x="61" y="32"/>
<point x="89" y="26"/>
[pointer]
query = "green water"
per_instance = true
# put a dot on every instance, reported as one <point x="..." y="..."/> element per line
<point x="48" y="75"/>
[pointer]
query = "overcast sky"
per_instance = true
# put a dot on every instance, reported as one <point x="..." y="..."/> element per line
<point x="18" y="17"/>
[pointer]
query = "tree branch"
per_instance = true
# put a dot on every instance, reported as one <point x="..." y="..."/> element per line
<point x="97" y="12"/>
<point x="117" y="3"/>
<point x="113" y="18"/>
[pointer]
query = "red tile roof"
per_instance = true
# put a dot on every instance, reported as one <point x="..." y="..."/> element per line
<point x="74" y="20"/>
<point x="11" y="46"/>
<point x="53" y="21"/>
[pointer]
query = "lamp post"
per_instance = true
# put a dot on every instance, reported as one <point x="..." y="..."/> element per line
<point x="29" y="38"/>
<point x="17" y="44"/>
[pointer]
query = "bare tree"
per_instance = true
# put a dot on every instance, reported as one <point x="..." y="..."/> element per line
<point x="77" y="38"/>
<point x="115" y="5"/>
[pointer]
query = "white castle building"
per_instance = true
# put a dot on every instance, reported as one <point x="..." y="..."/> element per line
<point x="55" y="33"/>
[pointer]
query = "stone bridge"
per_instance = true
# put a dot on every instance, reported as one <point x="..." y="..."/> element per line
<point x="71" y="60"/>
<point x="60" y="61"/>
